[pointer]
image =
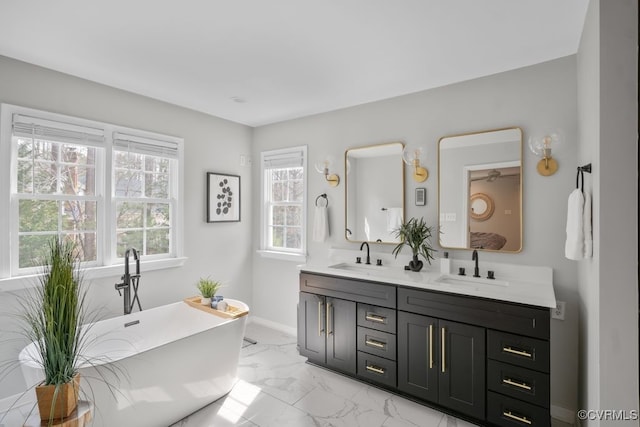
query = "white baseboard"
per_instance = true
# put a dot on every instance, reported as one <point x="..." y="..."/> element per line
<point x="273" y="325"/>
<point x="563" y="414"/>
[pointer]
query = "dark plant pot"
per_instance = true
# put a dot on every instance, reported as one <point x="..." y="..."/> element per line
<point x="415" y="264"/>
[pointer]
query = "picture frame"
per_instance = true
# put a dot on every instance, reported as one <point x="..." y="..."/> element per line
<point x="223" y="197"/>
<point x="421" y="196"/>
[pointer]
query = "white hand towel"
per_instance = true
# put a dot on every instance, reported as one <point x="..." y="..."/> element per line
<point x="394" y="218"/>
<point x="586" y="224"/>
<point x="574" y="245"/>
<point x="320" y="224"/>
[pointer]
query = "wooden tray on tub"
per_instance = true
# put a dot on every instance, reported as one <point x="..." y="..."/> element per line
<point x="232" y="312"/>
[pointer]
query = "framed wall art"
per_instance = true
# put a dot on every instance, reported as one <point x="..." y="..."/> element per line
<point x="223" y="197"/>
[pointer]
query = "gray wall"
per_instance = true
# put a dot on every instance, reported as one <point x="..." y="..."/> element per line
<point x="536" y="97"/>
<point x="608" y="135"/>
<point x="211" y="144"/>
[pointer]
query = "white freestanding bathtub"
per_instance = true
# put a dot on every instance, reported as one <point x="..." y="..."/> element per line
<point x="171" y="360"/>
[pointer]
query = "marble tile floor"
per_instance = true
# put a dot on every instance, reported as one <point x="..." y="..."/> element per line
<point x="277" y="388"/>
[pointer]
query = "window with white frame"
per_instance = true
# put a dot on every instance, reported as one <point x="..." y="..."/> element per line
<point x="102" y="186"/>
<point x="284" y="200"/>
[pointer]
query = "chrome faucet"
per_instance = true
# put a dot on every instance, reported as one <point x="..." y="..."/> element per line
<point x="130" y="281"/>
<point x="474" y="257"/>
<point x="368" y="257"/>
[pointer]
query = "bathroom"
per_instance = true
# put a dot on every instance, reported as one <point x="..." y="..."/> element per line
<point x="594" y="355"/>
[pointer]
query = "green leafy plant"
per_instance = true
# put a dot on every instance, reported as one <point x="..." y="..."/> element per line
<point x="208" y="287"/>
<point x="416" y="234"/>
<point x="53" y="316"/>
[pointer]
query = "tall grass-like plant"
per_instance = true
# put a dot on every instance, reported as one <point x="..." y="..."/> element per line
<point x="55" y="315"/>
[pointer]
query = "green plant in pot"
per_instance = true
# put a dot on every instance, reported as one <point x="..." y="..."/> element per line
<point x="208" y="289"/>
<point x="53" y="314"/>
<point x="416" y="234"/>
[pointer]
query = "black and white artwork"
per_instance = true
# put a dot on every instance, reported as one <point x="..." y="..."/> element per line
<point x="223" y="197"/>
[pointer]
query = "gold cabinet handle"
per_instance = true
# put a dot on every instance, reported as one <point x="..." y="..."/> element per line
<point x="329" y="331"/>
<point x="375" y="318"/>
<point x="375" y="343"/>
<point x="319" y="318"/>
<point x="508" y="414"/>
<point x="508" y="349"/>
<point x="522" y="385"/>
<point x="375" y="369"/>
<point x="443" y="350"/>
<point x="431" y="346"/>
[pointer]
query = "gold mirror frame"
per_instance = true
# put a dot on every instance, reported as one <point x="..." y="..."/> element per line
<point x="374" y="195"/>
<point x="480" y="156"/>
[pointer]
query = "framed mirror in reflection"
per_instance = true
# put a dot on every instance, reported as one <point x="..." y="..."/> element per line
<point x="374" y="195"/>
<point x="480" y="190"/>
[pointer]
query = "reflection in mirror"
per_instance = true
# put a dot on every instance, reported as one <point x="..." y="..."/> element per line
<point x="374" y="195"/>
<point x="480" y="190"/>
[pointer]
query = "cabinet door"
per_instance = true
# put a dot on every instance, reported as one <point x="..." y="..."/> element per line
<point x="311" y="326"/>
<point x="341" y="334"/>
<point x="418" y="354"/>
<point x="462" y="372"/>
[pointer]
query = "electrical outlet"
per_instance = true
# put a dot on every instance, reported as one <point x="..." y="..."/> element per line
<point x="558" y="312"/>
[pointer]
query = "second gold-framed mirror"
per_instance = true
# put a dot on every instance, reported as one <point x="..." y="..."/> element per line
<point x="480" y="190"/>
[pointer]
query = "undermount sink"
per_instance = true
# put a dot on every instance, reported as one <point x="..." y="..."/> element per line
<point x="449" y="279"/>
<point x="361" y="268"/>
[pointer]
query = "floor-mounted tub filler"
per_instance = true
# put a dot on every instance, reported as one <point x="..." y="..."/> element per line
<point x="170" y="360"/>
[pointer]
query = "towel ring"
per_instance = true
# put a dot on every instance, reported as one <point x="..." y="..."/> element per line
<point x="323" y="195"/>
<point x="580" y="176"/>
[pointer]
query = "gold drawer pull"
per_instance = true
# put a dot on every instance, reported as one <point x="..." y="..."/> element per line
<point x="375" y="369"/>
<point x="523" y="385"/>
<point x="375" y="318"/>
<point x="508" y="414"/>
<point x="374" y="343"/>
<point x="518" y="352"/>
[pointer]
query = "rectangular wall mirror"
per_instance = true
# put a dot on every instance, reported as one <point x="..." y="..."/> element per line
<point x="480" y="190"/>
<point x="374" y="195"/>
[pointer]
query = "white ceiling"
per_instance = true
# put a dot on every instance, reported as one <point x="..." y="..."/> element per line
<point x="284" y="59"/>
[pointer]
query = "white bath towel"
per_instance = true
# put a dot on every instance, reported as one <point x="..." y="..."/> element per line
<point x="394" y="218"/>
<point x="574" y="245"/>
<point x="586" y="226"/>
<point x="320" y="224"/>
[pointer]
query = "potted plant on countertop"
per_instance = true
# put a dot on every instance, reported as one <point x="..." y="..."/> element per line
<point x="208" y="289"/>
<point x="416" y="234"/>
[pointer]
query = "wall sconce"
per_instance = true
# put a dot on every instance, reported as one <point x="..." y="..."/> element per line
<point x="415" y="156"/>
<point x="540" y="145"/>
<point x="323" y="168"/>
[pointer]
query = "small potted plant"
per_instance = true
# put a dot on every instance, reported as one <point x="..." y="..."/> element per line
<point x="208" y="289"/>
<point x="416" y="234"/>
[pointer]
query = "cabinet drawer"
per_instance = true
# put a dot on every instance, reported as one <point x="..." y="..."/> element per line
<point x="505" y="316"/>
<point x="509" y="412"/>
<point x="349" y="289"/>
<point x="518" y="382"/>
<point x="518" y="350"/>
<point x="377" y="369"/>
<point x="374" y="317"/>
<point x="376" y="342"/>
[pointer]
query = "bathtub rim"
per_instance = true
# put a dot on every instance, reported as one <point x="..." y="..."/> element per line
<point x="25" y="360"/>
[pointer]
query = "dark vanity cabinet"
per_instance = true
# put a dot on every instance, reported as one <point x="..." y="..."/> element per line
<point x="329" y="331"/>
<point x="442" y="362"/>
<point x="481" y="359"/>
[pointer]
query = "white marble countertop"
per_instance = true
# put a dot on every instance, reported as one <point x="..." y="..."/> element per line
<point x="521" y="284"/>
